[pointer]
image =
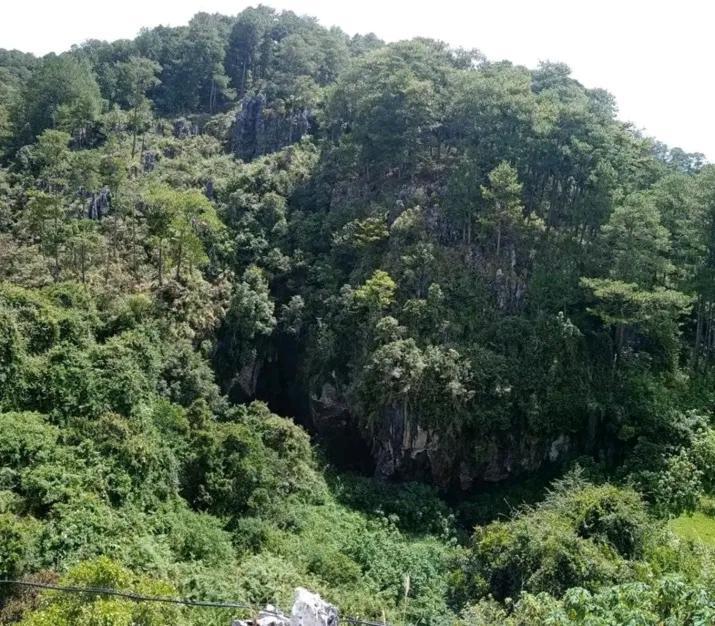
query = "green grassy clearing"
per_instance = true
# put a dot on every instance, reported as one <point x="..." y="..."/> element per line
<point x="699" y="526"/>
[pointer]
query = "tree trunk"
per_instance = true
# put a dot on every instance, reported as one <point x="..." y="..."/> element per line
<point x="134" y="244"/>
<point x="620" y="333"/>
<point x="161" y="263"/>
<point x="82" y="260"/>
<point x="135" y="118"/>
<point x="179" y="259"/>
<point x="57" y="255"/>
<point x="243" y="79"/>
<point x="212" y="96"/>
<point x="695" y="356"/>
<point x="709" y="336"/>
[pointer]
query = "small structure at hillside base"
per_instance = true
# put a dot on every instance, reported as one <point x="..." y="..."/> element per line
<point x="309" y="609"/>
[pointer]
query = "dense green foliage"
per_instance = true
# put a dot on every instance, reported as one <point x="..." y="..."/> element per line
<point x="447" y="271"/>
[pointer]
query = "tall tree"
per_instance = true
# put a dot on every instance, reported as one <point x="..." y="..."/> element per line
<point x="46" y="220"/>
<point x="244" y="46"/>
<point x="61" y="93"/>
<point x="503" y="198"/>
<point x="180" y="218"/>
<point x="637" y="243"/>
<point x="135" y="77"/>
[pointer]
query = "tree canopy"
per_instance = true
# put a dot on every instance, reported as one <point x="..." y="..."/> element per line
<point x="429" y="333"/>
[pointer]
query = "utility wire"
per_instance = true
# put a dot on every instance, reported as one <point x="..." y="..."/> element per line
<point x="129" y="595"/>
<point x="136" y="597"/>
<point x="354" y="620"/>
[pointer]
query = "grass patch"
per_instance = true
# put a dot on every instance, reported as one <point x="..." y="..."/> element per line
<point x="700" y="526"/>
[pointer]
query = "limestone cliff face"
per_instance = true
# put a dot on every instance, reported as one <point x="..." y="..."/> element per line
<point x="401" y="449"/>
<point x="261" y="127"/>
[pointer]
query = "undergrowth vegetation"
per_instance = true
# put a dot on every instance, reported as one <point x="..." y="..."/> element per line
<point x="243" y="256"/>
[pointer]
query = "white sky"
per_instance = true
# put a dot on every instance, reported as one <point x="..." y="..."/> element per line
<point x="655" y="56"/>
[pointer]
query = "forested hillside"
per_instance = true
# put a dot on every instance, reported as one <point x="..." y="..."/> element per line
<point x="428" y="333"/>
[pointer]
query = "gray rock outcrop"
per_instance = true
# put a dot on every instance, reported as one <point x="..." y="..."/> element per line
<point x="309" y="609"/>
<point x="260" y="128"/>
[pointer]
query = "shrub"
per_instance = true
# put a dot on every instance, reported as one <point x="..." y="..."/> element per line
<point x="580" y="536"/>
<point x="610" y="515"/>
<point x="252" y="464"/>
<point x="17" y="545"/>
<point x="92" y="610"/>
<point x="536" y="552"/>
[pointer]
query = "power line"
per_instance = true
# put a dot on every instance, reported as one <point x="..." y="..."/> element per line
<point x="137" y="597"/>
